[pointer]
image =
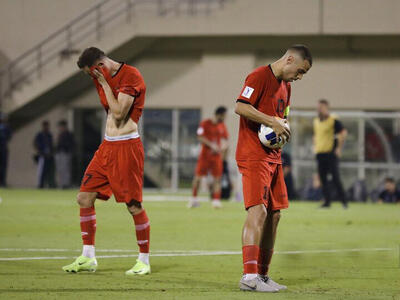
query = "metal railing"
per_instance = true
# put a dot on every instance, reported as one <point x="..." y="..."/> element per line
<point x="90" y="24"/>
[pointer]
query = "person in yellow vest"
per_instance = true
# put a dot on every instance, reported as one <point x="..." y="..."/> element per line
<point x="328" y="139"/>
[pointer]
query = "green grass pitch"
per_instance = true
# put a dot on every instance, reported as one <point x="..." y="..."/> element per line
<point x="185" y="244"/>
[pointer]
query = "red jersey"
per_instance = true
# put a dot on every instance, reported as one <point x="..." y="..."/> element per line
<point x="270" y="96"/>
<point x="127" y="80"/>
<point x="214" y="132"/>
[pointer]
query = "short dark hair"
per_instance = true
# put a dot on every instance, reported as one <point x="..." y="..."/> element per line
<point x="89" y="57"/>
<point x="324" y="101"/>
<point x="220" y="110"/>
<point x="303" y="51"/>
<point x="45" y="123"/>
<point x="389" y="179"/>
<point x="62" y="123"/>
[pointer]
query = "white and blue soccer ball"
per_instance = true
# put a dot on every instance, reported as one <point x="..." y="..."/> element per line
<point x="269" y="139"/>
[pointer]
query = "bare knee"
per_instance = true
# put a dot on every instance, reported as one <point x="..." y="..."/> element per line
<point x="258" y="213"/>
<point x="134" y="207"/>
<point x="86" y="199"/>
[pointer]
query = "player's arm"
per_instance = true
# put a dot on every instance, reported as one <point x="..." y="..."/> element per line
<point x="247" y="111"/>
<point x="119" y="107"/>
<point x="341" y="134"/>
<point x="207" y="142"/>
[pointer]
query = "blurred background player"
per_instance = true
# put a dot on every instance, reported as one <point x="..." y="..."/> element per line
<point x="44" y="147"/>
<point x="117" y="166"/>
<point x="328" y="139"/>
<point x="64" y="150"/>
<point x="213" y="136"/>
<point x="390" y="193"/>
<point x="264" y="99"/>
<point x="5" y="136"/>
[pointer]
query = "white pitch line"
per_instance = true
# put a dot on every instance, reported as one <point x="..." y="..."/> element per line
<point x="172" y="198"/>
<point x="199" y="253"/>
<point x="97" y="250"/>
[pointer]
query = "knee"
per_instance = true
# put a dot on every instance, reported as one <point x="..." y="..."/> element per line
<point x="276" y="216"/>
<point x="134" y="207"/>
<point x="86" y="199"/>
<point x="258" y="213"/>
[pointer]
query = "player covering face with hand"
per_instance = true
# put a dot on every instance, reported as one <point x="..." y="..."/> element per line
<point x="265" y="99"/>
<point x="117" y="166"/>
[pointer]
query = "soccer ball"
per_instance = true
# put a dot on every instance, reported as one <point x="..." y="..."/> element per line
<point x="269" y="139"/>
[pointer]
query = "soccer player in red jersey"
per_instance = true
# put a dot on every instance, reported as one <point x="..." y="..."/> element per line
<point x="213" y="135"/>
<point x="117" y="166"/>
<point x="264" y="99"/>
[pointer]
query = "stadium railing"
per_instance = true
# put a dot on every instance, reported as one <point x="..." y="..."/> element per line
<point x="63" y="42"/>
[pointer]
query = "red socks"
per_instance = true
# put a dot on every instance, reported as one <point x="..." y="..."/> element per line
<point x="264" y="260"/>
<point x="88" y="225"/>
<point x="250" y="257"/>
<point x="194" y="192"/>
<point x="216" y="195"/>
<point x="142" y="225"/>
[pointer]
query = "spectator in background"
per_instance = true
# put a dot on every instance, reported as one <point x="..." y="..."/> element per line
<point x="64" y="151"/>
<point x="287" y="173"/>
<point x="5" y="136"/>
<point x="328" y="139"/>
<point x="390" y="193"/>
<point x="43" y="144"/>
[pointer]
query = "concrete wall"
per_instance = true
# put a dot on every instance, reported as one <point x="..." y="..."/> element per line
<point x="204" y="61"/>
<point x="21" y="168"/>
<point x="24" y="23"/>
<point x="209" y="77"/>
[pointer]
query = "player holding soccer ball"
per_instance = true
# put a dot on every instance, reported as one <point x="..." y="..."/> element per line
<point x="265" y="99"/>
<point x="117" y="166"/>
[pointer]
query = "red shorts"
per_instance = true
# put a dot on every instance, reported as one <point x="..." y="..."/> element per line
<point x="211" y="164"/>
<point x="263" y="183"/>
<point x="116" y="168"/>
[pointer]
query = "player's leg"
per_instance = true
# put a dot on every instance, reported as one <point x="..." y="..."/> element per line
<point x="334" y="165"/>
<point x="87" y="261"/>
<point x="94" y="185"/>
<point x="277" y="200"/>
<point x="268" y="241"/>
<point x="127" y="168"/>
<point x="142" y="228"/>
<point x="254" y="178"/>
<point x="216" y="192"/>
<point x="216" y="168"/>
<point x="323" y="169"/>
<point x="194" y="201"/>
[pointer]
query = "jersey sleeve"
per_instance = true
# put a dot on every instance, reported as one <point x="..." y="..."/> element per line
<point x="252" y="89"/>
<point x="132" y="84"/>
<point x="338" y="126"/>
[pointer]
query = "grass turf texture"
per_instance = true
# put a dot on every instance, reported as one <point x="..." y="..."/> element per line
<point x="49" y="219"/>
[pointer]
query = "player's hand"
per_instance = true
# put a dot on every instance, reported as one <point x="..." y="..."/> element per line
<point x="99" y="76"/>
<point x="279" y="127"/>
<point x="338" y="152"/>
<point x="215" y="148"/>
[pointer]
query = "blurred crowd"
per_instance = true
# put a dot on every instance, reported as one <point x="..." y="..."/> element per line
<point x="386" y="191"/>
<point x="54" y="160"/>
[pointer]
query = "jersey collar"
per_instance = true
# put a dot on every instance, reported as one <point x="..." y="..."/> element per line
<point x="119" y="69"/>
